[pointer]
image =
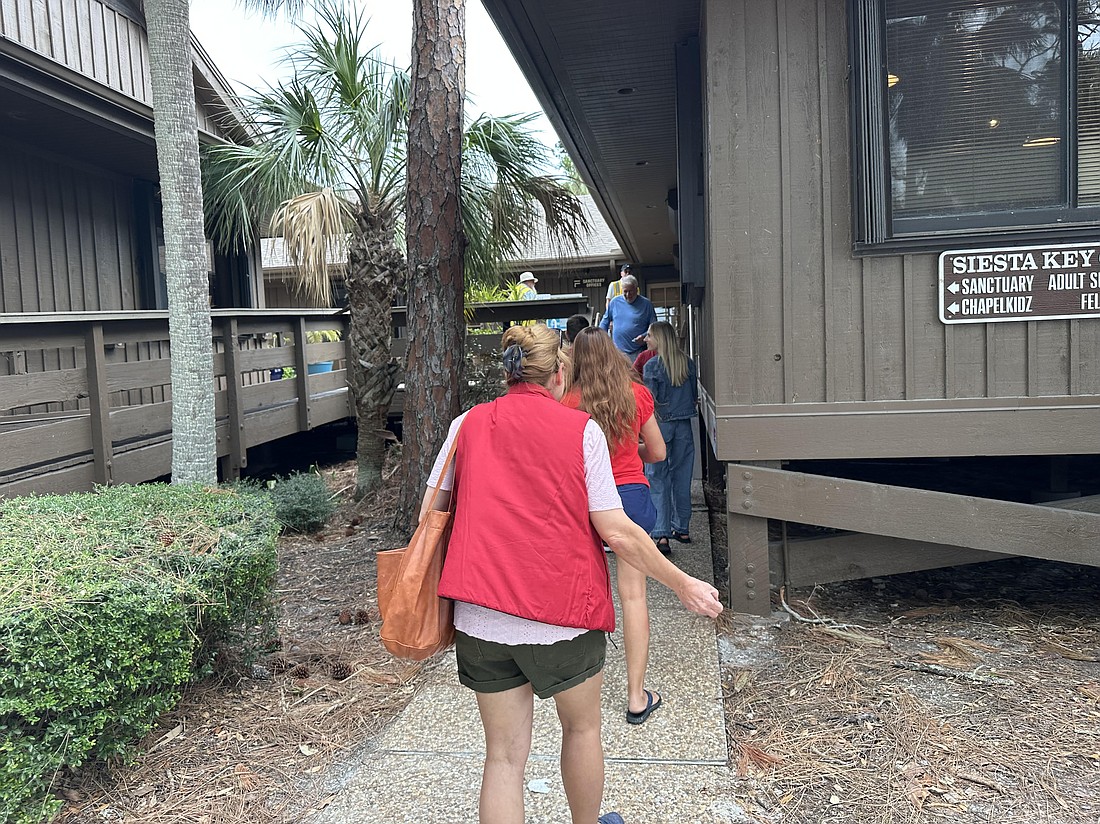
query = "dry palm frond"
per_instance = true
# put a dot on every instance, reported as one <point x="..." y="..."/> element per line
<point x="314" y="228"/>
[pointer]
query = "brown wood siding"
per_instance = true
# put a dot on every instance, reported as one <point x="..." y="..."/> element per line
<point x="91" y="37"/>
<point x="793" y="317"/>
<point x="87" y="36"/>
<point x="65" y="237"/>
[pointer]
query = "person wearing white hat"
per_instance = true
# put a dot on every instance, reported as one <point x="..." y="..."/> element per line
<point x="527" y="283"/>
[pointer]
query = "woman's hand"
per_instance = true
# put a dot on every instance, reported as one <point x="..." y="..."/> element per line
<point x="699" y="597"/>
<point x="633" y="545"/>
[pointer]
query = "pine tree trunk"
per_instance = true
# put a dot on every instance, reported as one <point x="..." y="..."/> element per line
<point x="194" y="456"/>
<point x="433" y="229"/>
<point x="374" y="265"/>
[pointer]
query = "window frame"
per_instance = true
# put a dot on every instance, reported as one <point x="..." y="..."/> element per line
<point x="874" y="228"/>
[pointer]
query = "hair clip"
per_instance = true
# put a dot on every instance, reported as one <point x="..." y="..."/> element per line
<point x="513" y="360"/>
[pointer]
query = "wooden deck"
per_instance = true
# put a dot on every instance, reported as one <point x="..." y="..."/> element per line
<point x="95" y="405"/>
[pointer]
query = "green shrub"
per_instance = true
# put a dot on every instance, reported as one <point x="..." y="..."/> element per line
<point x="303" y="502"/>
<point x="110" y="602"/>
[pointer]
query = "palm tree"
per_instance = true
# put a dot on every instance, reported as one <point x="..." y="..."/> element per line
<point x="328" y="160"/>
<point x="192" y="372"/>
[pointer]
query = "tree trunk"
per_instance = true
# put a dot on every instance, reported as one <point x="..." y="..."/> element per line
<point x="194" y="453"/>
<point x="433" y="229"/>
<point x="374" y="264"/>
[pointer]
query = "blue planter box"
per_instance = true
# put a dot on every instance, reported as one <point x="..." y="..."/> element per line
<point x="318" y="368"/>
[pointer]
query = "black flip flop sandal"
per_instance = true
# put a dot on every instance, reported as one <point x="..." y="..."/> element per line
<point x="650" y="706"/>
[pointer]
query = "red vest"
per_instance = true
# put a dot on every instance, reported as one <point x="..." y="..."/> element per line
<point x="522" y="542"/>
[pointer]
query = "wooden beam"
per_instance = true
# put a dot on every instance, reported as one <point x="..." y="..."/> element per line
<point x="42" y="387"/>
<point x="747" y="540"/>
<point x="102" y="445"/>
<point x="918" y="514"/>
<point x="853" y="555"/>
<point x="1011" y="426"/>
<point x="238" y="455"/>
<point x="301" y="367"/>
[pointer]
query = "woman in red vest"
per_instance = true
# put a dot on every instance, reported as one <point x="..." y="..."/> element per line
<point x="534" y="494"/>
<point x="604" y="386"/>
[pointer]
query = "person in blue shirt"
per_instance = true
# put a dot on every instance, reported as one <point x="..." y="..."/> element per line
<point x="628" y="318"/>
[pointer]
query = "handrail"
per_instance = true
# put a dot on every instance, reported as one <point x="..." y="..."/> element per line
<point x="87" y="395"/>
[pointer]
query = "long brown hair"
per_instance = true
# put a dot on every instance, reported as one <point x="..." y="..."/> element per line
<point x="605" y="380"/>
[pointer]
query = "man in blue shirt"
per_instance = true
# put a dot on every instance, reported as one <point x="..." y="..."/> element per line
<point x="628" y="318"/>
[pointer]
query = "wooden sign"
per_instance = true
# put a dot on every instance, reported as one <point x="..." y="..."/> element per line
<point x="1020" y="283"/>
<point x="588" y="283"/>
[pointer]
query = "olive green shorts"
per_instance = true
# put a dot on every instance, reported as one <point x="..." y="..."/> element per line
<point x="486" y="666"/>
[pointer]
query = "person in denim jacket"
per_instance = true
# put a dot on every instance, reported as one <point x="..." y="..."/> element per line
<point x="671" y="378"/>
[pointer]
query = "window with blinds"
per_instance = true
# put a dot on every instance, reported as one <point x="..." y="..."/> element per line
<point x="1088" y="101"/>
<point x="972" y="116"/>
<point x="975" y="95"/>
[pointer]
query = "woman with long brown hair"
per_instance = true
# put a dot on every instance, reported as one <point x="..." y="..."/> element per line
<point x="606" y="387"/>
<point x="534" y="494"/>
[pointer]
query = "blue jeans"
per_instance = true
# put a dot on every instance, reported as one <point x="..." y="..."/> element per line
<point x="670" y="480"/>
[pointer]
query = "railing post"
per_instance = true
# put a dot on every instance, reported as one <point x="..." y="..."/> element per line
<point x="99" y="404"/>
<point x="301" y="367"/>
<point x="237" y="459"/>
<point x="747" y="545"/>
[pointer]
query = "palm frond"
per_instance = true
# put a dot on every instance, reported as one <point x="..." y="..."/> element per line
<point x="293" y="150"/>
<point x="314" y="227"/>
<point x="273" y="8"/>
<point x="510" y="197"/>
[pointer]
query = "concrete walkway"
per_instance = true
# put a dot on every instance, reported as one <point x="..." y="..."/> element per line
<point x="427" y="765"/>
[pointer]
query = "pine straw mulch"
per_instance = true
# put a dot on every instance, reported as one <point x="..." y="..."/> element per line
<point x="260" y="748"/>
<point x="969" y="694"/>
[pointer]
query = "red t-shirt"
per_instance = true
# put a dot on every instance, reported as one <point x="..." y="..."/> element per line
<point x="643" y="359"/>
<point x="626" y="464"/>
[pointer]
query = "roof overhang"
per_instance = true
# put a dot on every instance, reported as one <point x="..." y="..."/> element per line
<point x="581" y="57"/>
<point x="56" y="109"/>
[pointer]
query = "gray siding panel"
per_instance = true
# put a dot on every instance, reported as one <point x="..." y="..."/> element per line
<point x="884" y="327"/>
<point x="65" y="237"/>
<point x="728" y="321"/>
<point x="84" y="35"/>
<point x="1085" y="357"/>
<point x="793" y="316"/>
<point x="802" y="169"/>
<point x="762" y="255"/>
<point x="845" y="324"/>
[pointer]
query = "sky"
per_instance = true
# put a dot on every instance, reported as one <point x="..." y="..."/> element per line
<point x="246" y="47"/>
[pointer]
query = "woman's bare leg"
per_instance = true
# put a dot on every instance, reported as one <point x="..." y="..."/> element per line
<point x="581" y="749"/>
<point x="507" y="718"/>
<point x="632" y="595"/>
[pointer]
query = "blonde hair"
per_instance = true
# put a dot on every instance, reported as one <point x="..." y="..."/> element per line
<point x="668" y="350"/>
<point x="537" y="356"/>
<point x="605" y="380"/>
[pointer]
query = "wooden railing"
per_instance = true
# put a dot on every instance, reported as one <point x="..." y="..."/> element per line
<point x="86" y="398"/>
